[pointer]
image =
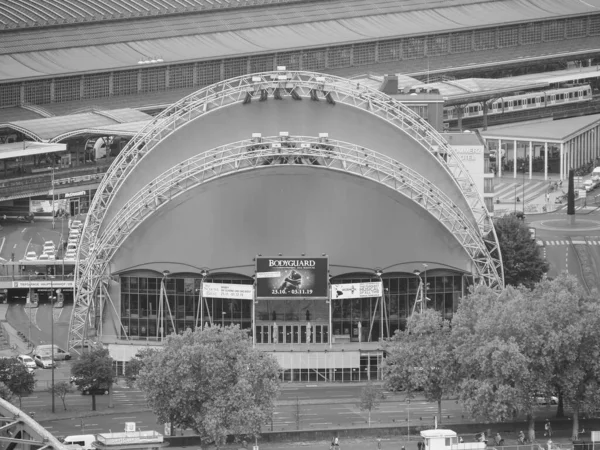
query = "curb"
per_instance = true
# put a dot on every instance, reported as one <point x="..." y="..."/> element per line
<point x="83" y="415"/>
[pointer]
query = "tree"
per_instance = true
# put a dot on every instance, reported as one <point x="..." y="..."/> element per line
<point x="16" y="377"/>
<point x="61" y="389"/>
<point x="5" y="392"/>
<point x="571" y="321"/>
<point x="211" y="381"/>
<point x="370" y="398"/>
<point x="93" y="372"/>
<point x="571" y="194"/>
<point x="523" y="263"/>
<point x="133" y="367"/>
<point x="500" y="342"/>
<point x="422" y="358"/>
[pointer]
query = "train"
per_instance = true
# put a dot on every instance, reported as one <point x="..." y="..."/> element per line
<point x="526" y="101"/>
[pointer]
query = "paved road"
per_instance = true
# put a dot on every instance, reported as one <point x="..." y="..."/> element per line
<point x="36" y="322"/>
<point x="19" y="238"/>
<point x="555" y="236"/>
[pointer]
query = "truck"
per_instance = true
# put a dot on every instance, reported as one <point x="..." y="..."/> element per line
<point x="447" y="440"/>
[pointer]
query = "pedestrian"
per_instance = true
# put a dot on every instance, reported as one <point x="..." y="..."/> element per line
<point x="420" y="445"/>
<point x="378" y="442"/>
<point x="498" y="439"/>
<point x="548" y="428"/>
<point x="521" y="438"/>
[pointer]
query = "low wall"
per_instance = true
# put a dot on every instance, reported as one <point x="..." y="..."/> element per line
<point x="561" y="428"/>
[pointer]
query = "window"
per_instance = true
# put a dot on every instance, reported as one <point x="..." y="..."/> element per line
<point x="67" y="89"/>
<point x="314" y="59"/>
<point x="125" y="82"/>
<point x="209" y="73"/>
<point x="531" y="33"/>
<point x="414" y="48"/>
<point x="461" y="42"/>
<point x="390" y="50"/>
<point x="364" y="53"/>
<point x="181" y="76"/>
<point x="261" y="63"/>
<point x="508" y="37"/>
<point x="290" y="60"/>
<point x="153" y="79"/>
<point x="10" y="94"/>
<point x="576" y="27"/>
<point x="37" y="92"/>
<point x="236" y="67"/>
<point x="96" y="86"/>
<point x="554" y="30"/>
<point x="338" y="57"/>
<point x="437" y="45"/>
<point x="488" y="185"/>
<point x="484" y="40"/>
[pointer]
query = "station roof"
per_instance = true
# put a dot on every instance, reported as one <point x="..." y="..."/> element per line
<point x="562" y="76"/>
<point x="28" y="148"/>
<point x="544" y="130"/>
<point x="456" y="92"/>
<point x="49" y="128"/>
<point x="96" y="47"/>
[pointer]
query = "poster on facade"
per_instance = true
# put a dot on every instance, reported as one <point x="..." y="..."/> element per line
<point x="224" y="290"/>
<point x="45" y="206"/>
<point x="290" y="278"/>
<point x="43" y="284"/>
<point x="356" y="290"/>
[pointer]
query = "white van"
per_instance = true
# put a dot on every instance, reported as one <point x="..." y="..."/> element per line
<point x="596" y="174"/>
<point x="82" y="440"/>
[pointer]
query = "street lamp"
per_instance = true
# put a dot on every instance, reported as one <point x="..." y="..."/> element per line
<point x="200" y="311"/>
<point x="52" y="298"/>
<point x="523" y="199"/>
<point x="53" y="218"/>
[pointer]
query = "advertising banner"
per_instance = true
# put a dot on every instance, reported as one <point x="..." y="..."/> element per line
<point x="223" y="290"/>
<point x="356" y="290"/>
<point x="43" y="284"/>
<point x="289" y="278"/>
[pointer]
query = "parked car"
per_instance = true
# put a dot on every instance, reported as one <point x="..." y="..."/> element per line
<point x="541" y="399"/>
<point x="76" y="225"/>
<point x="43" y="361"/>
<point x="91" y="390"/>
<point x="31" y="256"/>
<point x="49" y="247"/>
<point x="589" y="185"/>
<point x="27" y="361"/>
<point x="45" y="349"/>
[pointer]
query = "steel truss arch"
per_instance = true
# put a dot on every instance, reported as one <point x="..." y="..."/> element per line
<point x="248" y="155"/>
<point x="21" y="431"/>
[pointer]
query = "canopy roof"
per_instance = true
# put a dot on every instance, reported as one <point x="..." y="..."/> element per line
<point x="119" y="45"/>
<point x="28" y="148"/>
<point x="546" y="130"/>
<point x="49" y="128"/>
<point x="478" y="89"/>
<point x="59" y="12"/>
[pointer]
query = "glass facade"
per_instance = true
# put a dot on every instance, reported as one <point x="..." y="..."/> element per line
<point x="140" y="300"/>
<point x="281" y="321"/>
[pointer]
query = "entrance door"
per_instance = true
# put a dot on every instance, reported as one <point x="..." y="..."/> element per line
<point x="74" y="207"/>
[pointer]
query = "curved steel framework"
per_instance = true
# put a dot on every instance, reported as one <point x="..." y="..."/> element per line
<point x="317" y="153"/>
<point x="20" y="431"/>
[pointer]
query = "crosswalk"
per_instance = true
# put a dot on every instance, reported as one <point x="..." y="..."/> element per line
<point x="582" y="242"/>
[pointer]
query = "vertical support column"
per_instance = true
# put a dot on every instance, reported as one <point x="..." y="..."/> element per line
<point x="111" y="84"/>
<point x="499" y="158"/>
<point x="254" y="317"/>
<point x="546" y="160"/>
<point x="562" y="160"/>
<point x="330" y="332"/>
<point x="514" y="159"/>
<point x="530" y="159"/>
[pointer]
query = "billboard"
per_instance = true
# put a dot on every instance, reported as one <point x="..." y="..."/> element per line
<point x="356" y="290"/>
<point x="224" y="290"/>
<point x="43" y="284"/>
<point x="289" y="278"/>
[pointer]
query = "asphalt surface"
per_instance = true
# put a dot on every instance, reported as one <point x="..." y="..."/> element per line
<point x="20" y="238"/>
<point x="556" y="236"/>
